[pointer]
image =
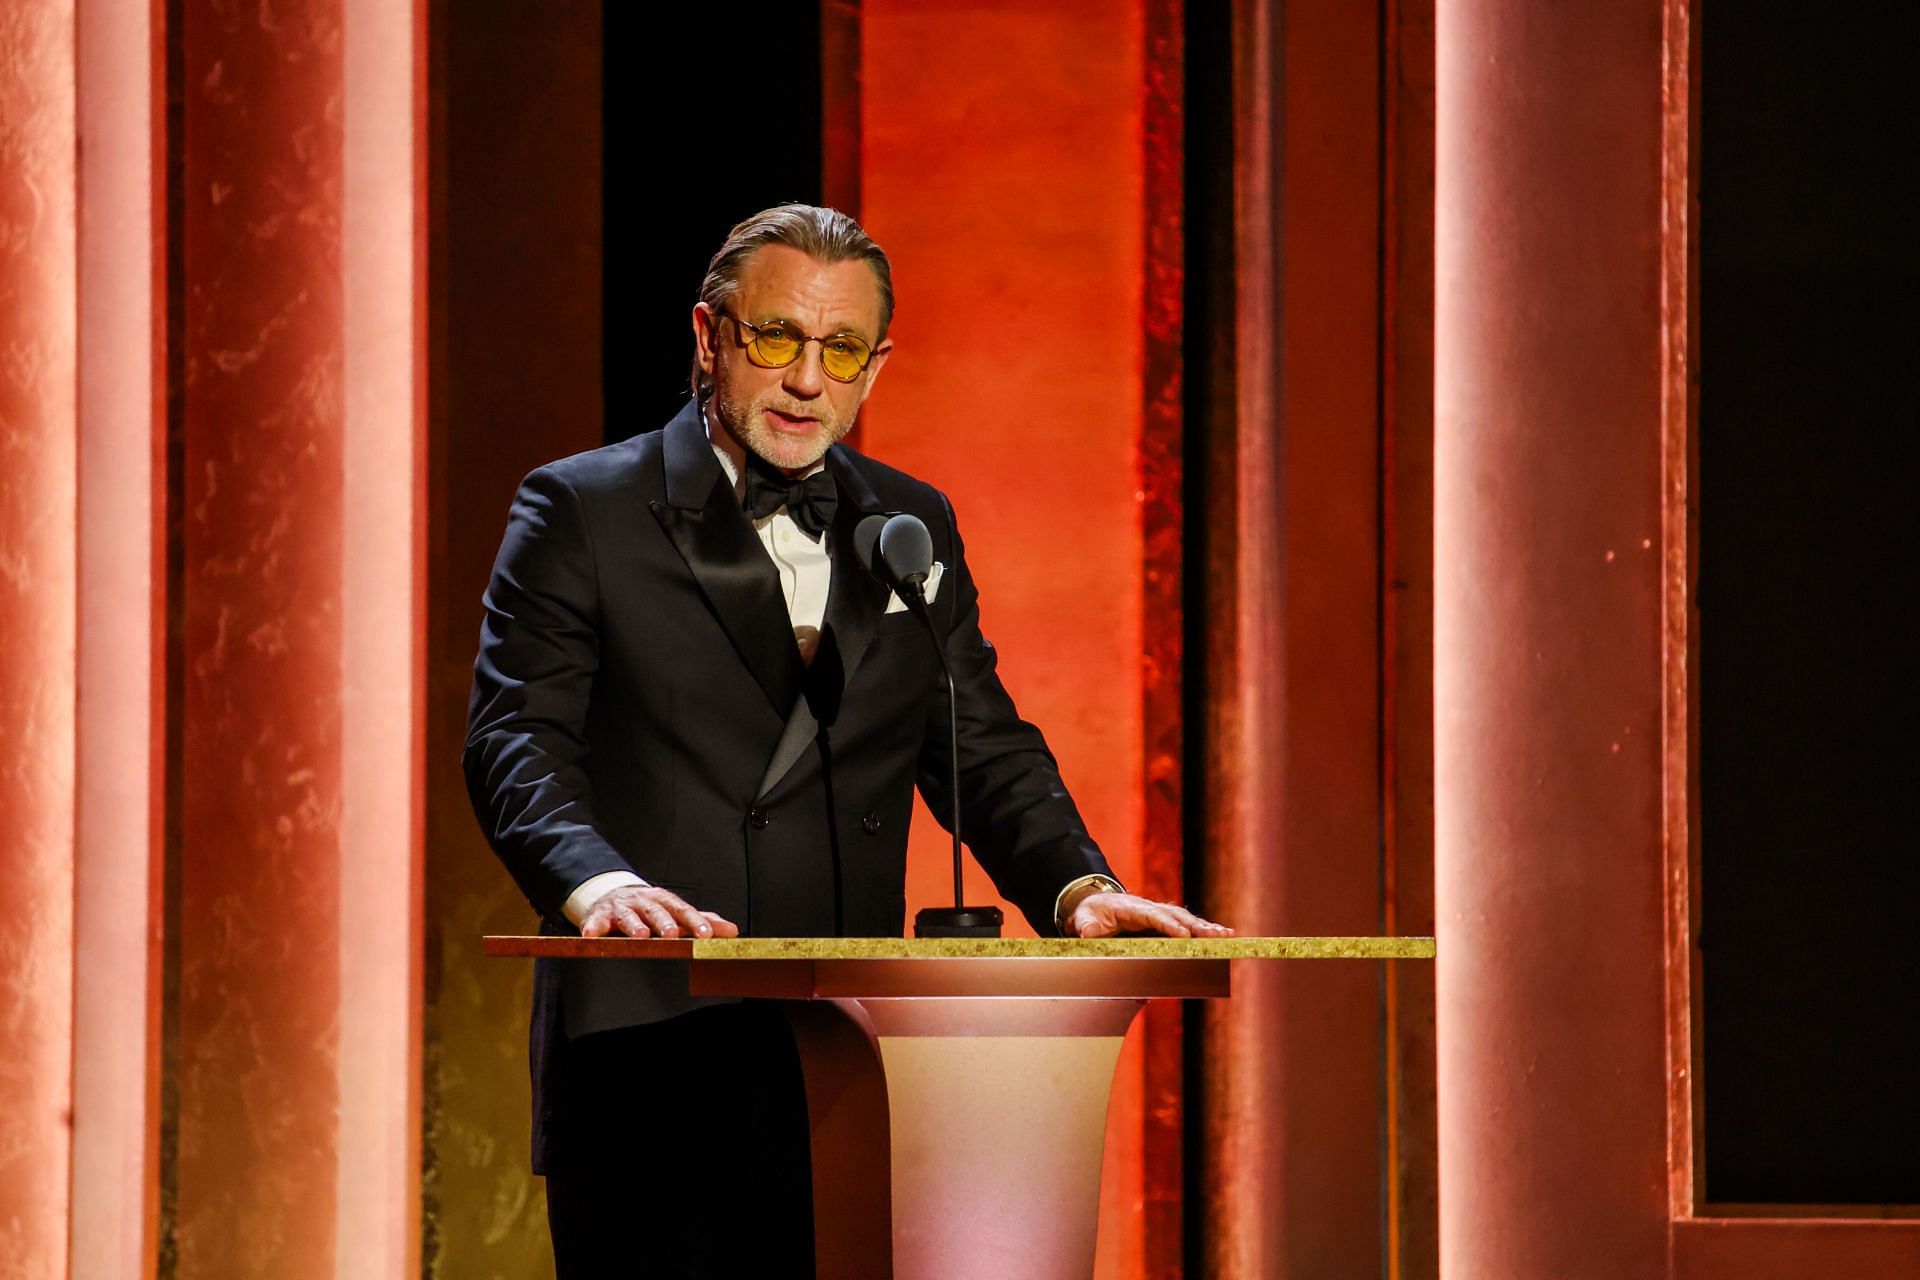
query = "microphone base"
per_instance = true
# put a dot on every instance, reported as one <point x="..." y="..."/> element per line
<point x="957" y="922"/>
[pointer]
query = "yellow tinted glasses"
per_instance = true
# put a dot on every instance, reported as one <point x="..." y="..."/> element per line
<point x="777" y="344"/>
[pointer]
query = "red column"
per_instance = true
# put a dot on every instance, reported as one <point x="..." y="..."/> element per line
<point x="1407" y="631"/>
<point x="300" y="540"/>
<point x="259" y="906"/>
<point x="1293" y="1074"/>
<point x="37" y="605"/>
<point x="1548" y="680"/>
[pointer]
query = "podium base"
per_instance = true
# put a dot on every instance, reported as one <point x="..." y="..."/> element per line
<point x="957" y="922"/>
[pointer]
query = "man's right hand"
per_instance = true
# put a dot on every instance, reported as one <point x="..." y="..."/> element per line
<point x="645" y="911"/>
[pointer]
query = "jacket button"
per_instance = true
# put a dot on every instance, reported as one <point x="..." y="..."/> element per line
<point x="757" y="818"/>
<point x="872" y="823"/>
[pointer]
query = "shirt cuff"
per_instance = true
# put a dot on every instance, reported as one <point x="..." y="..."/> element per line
<point x="588" y="892"/>
<point x="1060" y="899"/>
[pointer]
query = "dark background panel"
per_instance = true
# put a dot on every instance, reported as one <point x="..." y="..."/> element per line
<point x="1810" y="866"/>
<point x="1208" y="384"/>
<point x="713" y="112"/>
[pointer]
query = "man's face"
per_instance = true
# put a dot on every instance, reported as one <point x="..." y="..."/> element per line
<point x="790" y="415"/>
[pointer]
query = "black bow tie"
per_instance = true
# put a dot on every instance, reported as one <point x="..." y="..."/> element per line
<point x="810" y="502"/>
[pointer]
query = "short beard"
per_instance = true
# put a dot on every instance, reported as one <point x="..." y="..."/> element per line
<point x="743" y="421"/>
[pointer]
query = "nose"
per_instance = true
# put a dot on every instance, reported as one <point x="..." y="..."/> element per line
<point x="805" y="379"/>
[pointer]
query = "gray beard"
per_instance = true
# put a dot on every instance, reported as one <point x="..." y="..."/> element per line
<point x="744" y="425"/>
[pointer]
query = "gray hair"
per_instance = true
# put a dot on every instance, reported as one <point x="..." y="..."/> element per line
<point x="827" y="235"/>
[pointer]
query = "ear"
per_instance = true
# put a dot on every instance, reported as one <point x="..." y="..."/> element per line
<point x="706" y="334"/>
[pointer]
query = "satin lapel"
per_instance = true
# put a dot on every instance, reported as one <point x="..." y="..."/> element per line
<point x="726" y="559"/>
<point x="855" y="601"/>
<point x="796" y="736"/>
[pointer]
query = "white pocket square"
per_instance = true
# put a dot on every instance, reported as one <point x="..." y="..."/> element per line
<point x="896" y="605"/>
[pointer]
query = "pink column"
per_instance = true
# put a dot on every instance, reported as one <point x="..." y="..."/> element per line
<point x="383" y="445"/>
<point x="119" y="835"/>
<point x="37" y="608"/>
<point x="1547" y="640"/>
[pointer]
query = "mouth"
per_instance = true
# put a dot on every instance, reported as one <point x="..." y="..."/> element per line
<point x="792" y="423"/>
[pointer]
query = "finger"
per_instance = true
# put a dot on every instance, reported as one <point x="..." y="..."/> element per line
<point x="1171" y="925"/>
<point x="630" y="923"/>
<point x="722" y="927"/>
<point x="659" y="918"/>
<point x="1212" y="928"/>
<point x="1159" y="917"/>
<point x="595" y="924"/>
<point x="1086" y="922"/>
<point x="684" y="915"/>
<point x="1195" y="924"/>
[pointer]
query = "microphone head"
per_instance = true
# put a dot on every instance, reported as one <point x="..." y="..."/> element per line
<point x="866" y="535"/>
<point x="906" y="550"/>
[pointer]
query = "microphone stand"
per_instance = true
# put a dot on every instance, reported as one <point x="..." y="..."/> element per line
<point x="896" y="548"/>
<point x="957" y="921"/>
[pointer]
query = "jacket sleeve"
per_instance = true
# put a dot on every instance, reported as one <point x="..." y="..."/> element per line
<point x="526" y="718"/>
<point x="1015" y="813"/>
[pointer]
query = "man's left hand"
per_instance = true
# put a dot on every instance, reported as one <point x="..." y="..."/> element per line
<point x="1101" y="915"/>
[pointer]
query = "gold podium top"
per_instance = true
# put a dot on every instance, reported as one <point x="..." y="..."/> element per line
<point x="1359" y="948"/>
<point x="879" y="968"/>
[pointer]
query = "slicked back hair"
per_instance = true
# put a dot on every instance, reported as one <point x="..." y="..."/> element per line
<point x="826" y="235"/>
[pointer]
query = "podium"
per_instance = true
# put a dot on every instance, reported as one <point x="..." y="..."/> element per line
<point x="957" y="1087"/>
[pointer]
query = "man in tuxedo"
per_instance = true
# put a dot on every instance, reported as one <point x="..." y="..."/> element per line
<point x="695" y="713"/>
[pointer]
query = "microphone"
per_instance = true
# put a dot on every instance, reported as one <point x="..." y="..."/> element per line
<point x="898" y="550"/>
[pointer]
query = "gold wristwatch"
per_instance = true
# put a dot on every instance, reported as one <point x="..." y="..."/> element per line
<point x="1078" y="891"/>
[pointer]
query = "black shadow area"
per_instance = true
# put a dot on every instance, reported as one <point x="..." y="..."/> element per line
<point x="713" y="113"/>
<point x="1810" y="866"/>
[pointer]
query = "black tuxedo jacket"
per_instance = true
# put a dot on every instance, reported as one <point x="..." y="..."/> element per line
<point x="639" y="704"/>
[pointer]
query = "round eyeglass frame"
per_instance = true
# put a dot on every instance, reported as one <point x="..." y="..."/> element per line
<point x="863" y="357"/>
